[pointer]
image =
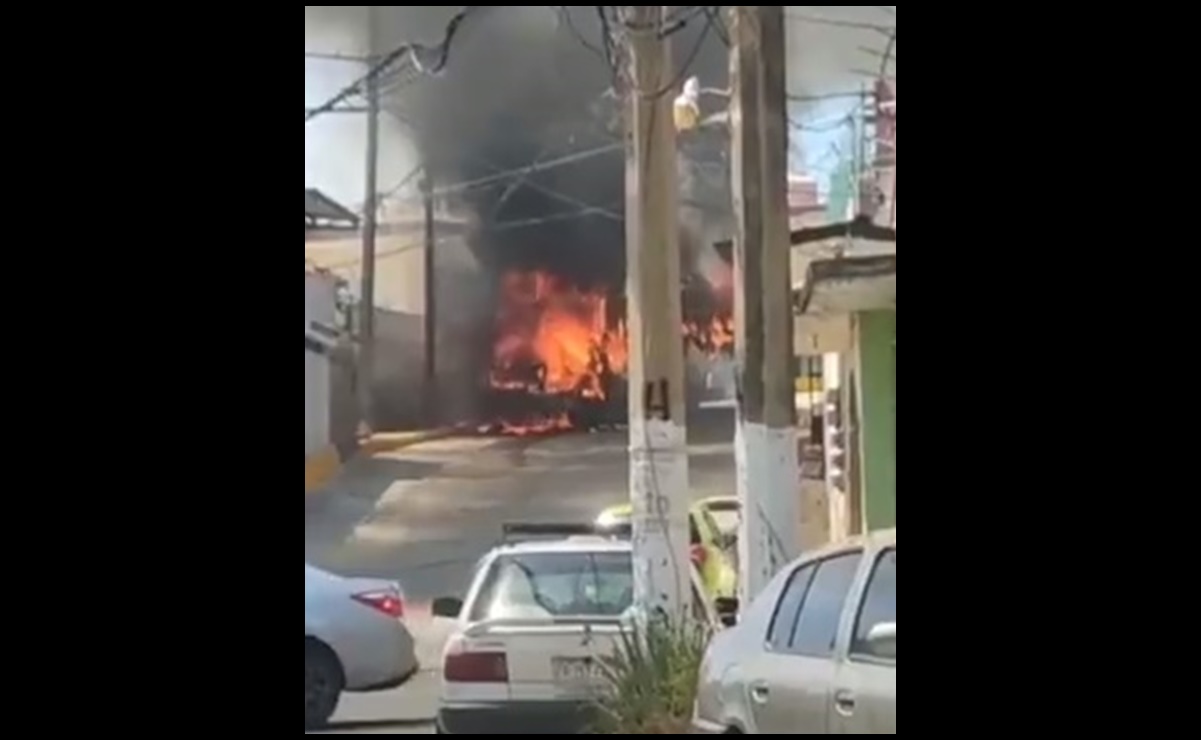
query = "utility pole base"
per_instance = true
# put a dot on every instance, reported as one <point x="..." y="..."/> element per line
<point x="769" y="487"/>
<point x="659" y="487"/>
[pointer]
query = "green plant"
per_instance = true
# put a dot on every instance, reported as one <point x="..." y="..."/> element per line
<point x="651" y="679"/>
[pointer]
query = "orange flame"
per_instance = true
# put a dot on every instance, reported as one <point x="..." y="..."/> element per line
<point x="554" y="338"/>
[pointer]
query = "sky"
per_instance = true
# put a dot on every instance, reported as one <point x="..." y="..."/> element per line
<point x="829" y="56"/>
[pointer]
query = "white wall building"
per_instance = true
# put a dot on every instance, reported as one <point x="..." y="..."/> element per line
<point x="320" y="293"/>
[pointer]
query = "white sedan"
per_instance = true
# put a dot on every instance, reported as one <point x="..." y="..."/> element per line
<point x="525" y="655"/>
<point x="354" y="640"/>
<point x="814" y="654"/>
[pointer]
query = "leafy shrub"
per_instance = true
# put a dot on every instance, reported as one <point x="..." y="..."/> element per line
<point x="651" y="680"/>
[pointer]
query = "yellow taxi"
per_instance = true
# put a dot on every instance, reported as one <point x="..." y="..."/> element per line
<point x="714" y="551"/>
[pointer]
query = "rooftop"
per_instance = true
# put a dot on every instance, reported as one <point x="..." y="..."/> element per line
<point x="322" y="212"/>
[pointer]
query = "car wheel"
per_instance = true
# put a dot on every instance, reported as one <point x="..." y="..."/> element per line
<point x="323" y="682"/>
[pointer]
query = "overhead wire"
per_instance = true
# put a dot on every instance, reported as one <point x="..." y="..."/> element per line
<point x="526" y="181"/>
<point x="719" y="25"/>
<point x="410" y="51"/>
<point x="529" y="169"/>
<point x="569" y="22"/>
<point x="691" y="58"/>
<point x="500" y="227"/>
<point x="838" y="23"/>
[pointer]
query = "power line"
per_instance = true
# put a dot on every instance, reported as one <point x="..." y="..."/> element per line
<point x="675" y="27"/>
<point x="836" y="23"/>
<point x="414" y="52"/>
<point x="529" y="170"/>
<point x="719" y="26"/>
<point x="498" y="228"/>
<point x="340" y="110"/>
<point x="548" y="192"/>
<point x="826" y="96"/>
<point x="335" y="57"/>
<point x="565" y="14"/>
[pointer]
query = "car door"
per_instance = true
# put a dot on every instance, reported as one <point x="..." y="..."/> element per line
<point x="865" y="693"/>
<point x="793" y="689"/>
<point x="768" y="710"/>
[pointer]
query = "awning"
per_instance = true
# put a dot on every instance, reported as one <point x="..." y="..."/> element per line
<point x="849" y="285"/>
<point x="321" y="212"/>
<point x="861" y="229"/>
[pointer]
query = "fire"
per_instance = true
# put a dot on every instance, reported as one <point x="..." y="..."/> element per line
<point x="556" y="341"/>
<point x="712" y="337"/>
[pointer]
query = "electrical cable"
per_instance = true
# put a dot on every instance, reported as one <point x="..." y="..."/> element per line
<point x="562" y="197"/>
<point x="499" y="228"/>
<point x="685" y="69"/>
<point x="565" y="15"/>
<point x="410" y="51"/>
<point x="836" y="23"/>
<point x="525" y="172"/>
<point x="529" y="169"/>
<point x="719" y="25"/>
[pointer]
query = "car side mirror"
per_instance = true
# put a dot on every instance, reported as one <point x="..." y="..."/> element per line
<point x="882" y="638"/>
<point x="447" y="607"/>
<point x="727" y="611"/>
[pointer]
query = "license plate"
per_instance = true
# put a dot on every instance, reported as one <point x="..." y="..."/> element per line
<point x="576" y="671"/>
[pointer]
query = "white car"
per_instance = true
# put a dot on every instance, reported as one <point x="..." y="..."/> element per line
<point x="354" y="640"/>
<point x="815" y="654"/>
<point x="524" y="656"/>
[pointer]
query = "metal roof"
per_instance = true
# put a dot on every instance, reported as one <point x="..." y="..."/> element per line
<point x="322" y="212"/>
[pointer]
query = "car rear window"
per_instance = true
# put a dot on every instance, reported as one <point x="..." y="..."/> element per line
<point x="551" y="585"/>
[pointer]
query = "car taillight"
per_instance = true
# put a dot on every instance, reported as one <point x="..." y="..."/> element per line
<point x="476" y="668"/>
<point x="388" y="603"/>
<point x="699" y="555"/>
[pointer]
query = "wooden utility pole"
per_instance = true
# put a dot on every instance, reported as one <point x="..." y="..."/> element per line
<point x="766" y="443"/>
<point x="430" y="327"/>
<point x="658" y="434"/>
<point x="365" y="377"/>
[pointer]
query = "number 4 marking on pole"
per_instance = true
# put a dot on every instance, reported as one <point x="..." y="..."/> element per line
<point x="657" y="405"/>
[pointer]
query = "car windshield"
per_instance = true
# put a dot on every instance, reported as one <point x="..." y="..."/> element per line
<point x="727" y="518"/>
<point x="548" y="585"/>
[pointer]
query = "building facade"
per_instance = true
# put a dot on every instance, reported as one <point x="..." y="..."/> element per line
<point x="320" y="309"/>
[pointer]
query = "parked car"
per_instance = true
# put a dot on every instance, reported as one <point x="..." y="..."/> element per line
<point x="714" y="553"/>
<point x="354" y="640"/>
<point x="815" y="654"/>
<point x="726" y="513"/>
<point x="525" y="655"/>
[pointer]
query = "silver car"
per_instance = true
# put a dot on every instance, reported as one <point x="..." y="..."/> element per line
<point x="815" y="654"/>
<point x="354" y="640"/>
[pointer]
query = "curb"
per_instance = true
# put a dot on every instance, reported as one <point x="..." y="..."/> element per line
<point x="393" y="441"/>
<point x="322" y="468"/>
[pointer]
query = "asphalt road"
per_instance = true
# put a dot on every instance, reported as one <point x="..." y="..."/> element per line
<point x="425" y="515"/>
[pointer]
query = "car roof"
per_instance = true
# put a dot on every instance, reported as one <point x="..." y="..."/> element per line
<point x="568" y="545"/>
<point x="626" y="511"/>
<point x="724" y="502"/>
<point x="872" y="541"/>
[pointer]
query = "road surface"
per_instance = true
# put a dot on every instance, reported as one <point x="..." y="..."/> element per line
<point x="425" y="515"/>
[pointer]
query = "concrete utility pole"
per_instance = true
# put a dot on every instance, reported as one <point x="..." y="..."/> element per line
<point x="658" y="434"/>
<point x="366" y="371"/>
<point x="766" y="441"/>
